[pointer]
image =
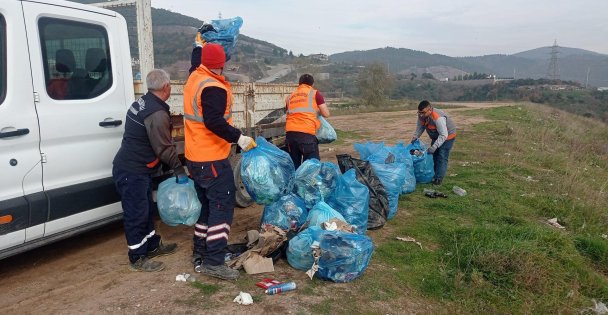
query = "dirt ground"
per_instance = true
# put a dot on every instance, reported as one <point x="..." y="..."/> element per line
<point x="89" y="274"/>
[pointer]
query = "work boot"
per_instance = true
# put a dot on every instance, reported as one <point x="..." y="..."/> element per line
<point x="146" y="265"/>
<point x="220" y="271"/>
<point x="437" y="181"/>
<point x="163" y="250"/>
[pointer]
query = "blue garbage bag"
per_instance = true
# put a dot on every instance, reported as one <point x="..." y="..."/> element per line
<point x="351" y="199"/>
<point x="392" y="177"/>
<point x="267" y="172"/>
<point x="178" y="202"/>
<point x="315" y="180"/>
<point x="344" y="256"/>
<point x="226" y="34"/>
<point x="289" y="212"/>
<point x="326" y="133"/>
<point x="424" y="167"/>
<point x="299" y="254"/>
<point x="402" y="155"/>
<point x="322" y="212"/>
<point x="368" y="148"/>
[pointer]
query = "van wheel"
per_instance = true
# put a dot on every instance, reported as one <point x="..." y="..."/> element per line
<point x="243" y="199"/>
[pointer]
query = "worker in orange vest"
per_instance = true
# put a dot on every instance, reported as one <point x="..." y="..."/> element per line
<point x="442" y="131"/>
<point x="208" y="137"/>
<point x="304" y="106"/>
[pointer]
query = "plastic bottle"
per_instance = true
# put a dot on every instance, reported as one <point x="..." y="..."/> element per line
<point x="283" y="287"/>
<point x="459" y="191"/>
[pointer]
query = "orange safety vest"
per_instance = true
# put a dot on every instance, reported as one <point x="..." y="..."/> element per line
<point x="303" y="111"/>
<point x="202" y="145"/>
<point x="429" y="123"/>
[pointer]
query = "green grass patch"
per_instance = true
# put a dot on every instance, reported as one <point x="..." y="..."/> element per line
<point x="206" y="289"/>
<point x="492" y="251"/>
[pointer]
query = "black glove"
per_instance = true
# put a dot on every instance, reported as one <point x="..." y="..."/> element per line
<point x="180" y="175"/>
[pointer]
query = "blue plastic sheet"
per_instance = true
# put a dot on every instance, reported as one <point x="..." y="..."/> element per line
<point x="178" y="203"/>
<point x="289" y="212"/>
<point x="299" y="254"/>
<point x="351" y="199"/>
<point x="424" y="167"/>
<point x="344" y="256"/>
<point x="322" y="212"/>
<point x="314" y="180"/>
<point x="267" y="172"/>
<point x="227" y="32"/>
<point x="326" y="133"/>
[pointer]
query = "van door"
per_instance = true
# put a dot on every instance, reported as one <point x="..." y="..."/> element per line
<point x="76" y="71"/>
<point x="22" y="202"/>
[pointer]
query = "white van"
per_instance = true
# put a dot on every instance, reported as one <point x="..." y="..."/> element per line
<point x="65" y="85"/>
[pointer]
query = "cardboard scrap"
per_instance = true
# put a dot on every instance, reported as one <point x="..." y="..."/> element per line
<point x="270" y="239"/>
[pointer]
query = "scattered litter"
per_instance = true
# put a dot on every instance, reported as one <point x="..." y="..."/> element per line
<point x="530" y="179"/>
<point x="243" y="298"/>
<point x="605" y="236"/>
<point x="599" y="307"/>
<point x="316" y="255"/>
<point x="185" y="277"/>
<point x="433" y="193"/>
<point x="410" y="239"/>
<point x="553" y="222"/>
<point x="459" y="191"/>
<point x="267" y="283"/>
<point x="283" y="287"/>
<point x="453" y="175"/>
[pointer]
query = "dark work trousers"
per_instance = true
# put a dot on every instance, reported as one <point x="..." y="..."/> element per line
<point x="138" y="212"/>
<point x="214" y="183"/>
<point x="440" y="158"/>
<point x="301" y="147"/>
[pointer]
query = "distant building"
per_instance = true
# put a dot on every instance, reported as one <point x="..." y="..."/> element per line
<point x="320" y="57"/>
<point x="602" y="88"/>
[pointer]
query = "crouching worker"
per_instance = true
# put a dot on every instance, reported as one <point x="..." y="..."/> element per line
<point x="145" y="145"/>
<point x="442" y="131"/>
<point x="208" y="137"/>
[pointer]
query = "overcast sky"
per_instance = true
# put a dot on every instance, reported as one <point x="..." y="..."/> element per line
<point x="448" y="27"/>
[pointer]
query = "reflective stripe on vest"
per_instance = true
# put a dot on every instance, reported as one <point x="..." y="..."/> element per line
<point x="308" y="109"/>
<point x="199" y="117"/>
<point x="303" y="111"/>
<point x="201" y="144"/>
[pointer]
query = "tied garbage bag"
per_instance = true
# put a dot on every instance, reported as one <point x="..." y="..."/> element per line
<point x="402" y="155"/>
<point x="344" y="256"/>
<point x="322" y="212"/>
<point x="289" y="212"/>
<point x="424" y="167"/>
<point x="178" y="202"/>
<point x="378" y="199"/>
<point x="326" y="133"/>
<point x="267" y="172"/>
<point x="225" y="32"/>
<point x="314" y="180"/>
<point x="392" y="176"/>
<point x="351" y="199"/>
<point x="368" y="148"/>
<point x="299" y="253"/>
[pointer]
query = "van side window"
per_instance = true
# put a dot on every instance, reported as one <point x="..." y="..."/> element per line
<point x="76" y="59"/>
<point x="2" y="59"/>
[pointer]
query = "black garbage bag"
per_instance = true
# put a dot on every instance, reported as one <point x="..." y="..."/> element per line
<point x="378" y="198"/>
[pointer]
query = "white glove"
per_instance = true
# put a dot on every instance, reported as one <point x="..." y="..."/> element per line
<point x="431" y="150"/>
<point x="246" y="143"/>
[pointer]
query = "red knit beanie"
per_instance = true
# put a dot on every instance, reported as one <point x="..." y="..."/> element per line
<point x="213" y="56"/>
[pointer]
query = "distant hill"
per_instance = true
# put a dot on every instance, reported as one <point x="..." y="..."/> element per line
<point x="174" y="33"/>
<point x="573" y="63"/>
